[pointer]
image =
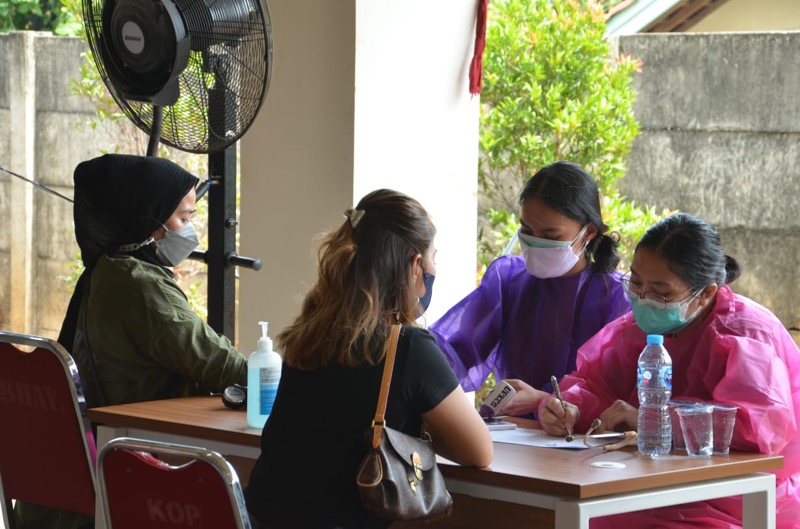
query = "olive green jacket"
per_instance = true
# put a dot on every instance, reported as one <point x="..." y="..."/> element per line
<point x="147" y="342"/>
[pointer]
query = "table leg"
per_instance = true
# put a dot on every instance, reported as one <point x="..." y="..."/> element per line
<point x="571" y="515"/>
<point x="6" y="508"/>
<point x="758" y="508"/>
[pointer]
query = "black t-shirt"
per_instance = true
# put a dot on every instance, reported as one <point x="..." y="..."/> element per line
<point x="314" y="440"/>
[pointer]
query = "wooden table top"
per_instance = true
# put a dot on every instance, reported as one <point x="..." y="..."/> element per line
<point x="551" y="471"/>
<point x="201" y="417"/>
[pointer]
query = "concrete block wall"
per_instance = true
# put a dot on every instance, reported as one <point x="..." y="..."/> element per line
<point x="44" y="134"/>
<point x="7" y="51"/>
<point x="720" y="138"/>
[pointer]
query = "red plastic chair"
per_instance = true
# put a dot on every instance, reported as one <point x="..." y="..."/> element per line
<point x="47" y="449"/>
<point x="139" y="490"/>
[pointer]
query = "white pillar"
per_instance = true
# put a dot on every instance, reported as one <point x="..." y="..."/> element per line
<point x="364" y="95"/>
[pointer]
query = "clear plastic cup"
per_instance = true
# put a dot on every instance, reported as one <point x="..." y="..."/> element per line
<point x="678" y="444"/>
<point x="724" y="418"/>
<point x="698" y="430"/>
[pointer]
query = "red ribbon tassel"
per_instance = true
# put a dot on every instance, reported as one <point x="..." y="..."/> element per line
<point x="476" y="66"/>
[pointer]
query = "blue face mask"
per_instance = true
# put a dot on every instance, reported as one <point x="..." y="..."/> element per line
<point x="652" y="319"/>
<point x="425" y="300"/>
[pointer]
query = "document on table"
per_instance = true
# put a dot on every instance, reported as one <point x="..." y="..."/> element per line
<point x="531" y="437"/>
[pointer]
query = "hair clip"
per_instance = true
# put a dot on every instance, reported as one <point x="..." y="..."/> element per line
<point x="354" y="215"/>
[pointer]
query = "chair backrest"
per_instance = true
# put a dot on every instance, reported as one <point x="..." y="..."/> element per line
<point x="47" y="450"/>
<point x="200" y="490"/>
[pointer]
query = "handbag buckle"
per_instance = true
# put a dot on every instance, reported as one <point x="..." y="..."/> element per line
<point x="416" y="462"/>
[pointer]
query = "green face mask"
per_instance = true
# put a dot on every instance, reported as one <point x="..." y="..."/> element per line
<point x="653" y="319"/>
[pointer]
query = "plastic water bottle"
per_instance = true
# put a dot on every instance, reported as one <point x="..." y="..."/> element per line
<point x="654" y="381"/>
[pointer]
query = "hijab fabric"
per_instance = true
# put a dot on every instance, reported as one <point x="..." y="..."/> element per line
<point x="120" y="199"/>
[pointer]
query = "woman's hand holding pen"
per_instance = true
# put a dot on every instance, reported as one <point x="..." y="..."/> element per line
<point x="556" y="420"/>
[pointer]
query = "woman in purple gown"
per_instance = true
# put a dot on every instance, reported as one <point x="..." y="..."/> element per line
<point x="530" y="314"/>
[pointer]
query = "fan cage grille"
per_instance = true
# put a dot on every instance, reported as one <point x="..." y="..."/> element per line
<point x="224" y="83"/>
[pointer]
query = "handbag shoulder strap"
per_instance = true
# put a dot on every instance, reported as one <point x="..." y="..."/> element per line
<point x="378" y="422"/>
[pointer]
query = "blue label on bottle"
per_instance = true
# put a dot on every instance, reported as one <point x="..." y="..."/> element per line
<point x="644" y="377"/>
<point x="268" y="388"/>
<point x="267" y="399"/>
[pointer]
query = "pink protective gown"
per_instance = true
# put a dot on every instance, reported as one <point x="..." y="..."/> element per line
<point x="741" y="354"/>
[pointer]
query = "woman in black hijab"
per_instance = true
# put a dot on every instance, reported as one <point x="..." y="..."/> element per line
<point x="129" y="326"/>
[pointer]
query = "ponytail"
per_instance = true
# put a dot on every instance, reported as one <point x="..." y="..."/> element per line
<point x="604" y="255"/>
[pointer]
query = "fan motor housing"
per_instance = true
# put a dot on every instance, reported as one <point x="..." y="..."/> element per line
<point x="145" y="47"/>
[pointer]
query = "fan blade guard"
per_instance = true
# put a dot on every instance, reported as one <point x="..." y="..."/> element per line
<point x="206" y="63"/>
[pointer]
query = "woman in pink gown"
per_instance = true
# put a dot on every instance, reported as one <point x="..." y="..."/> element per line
<point x="724" y="348"/>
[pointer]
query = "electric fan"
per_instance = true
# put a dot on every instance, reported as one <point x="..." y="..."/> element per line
<point x="190" y="73"/>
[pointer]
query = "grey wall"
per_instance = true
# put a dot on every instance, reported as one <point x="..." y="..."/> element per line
<point x="720" y="131"/>
<point x="44" y="132"/>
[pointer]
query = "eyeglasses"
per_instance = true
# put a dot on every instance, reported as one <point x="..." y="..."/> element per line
<point x="659" y="301"/>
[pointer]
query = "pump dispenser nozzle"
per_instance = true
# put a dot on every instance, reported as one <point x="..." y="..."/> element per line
<point x="264" y="343"/>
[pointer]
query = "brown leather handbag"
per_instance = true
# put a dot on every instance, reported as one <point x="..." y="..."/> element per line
<point x="398" y="479"/>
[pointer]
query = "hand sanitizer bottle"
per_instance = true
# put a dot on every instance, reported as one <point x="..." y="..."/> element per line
<point x="263" y="376"/>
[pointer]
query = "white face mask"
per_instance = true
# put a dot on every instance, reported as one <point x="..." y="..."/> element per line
<point x="176" y="245"/>
<point x="545" y="258"/>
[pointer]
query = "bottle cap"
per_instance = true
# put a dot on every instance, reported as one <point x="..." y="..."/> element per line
<point x="264" y="343"/>
<point x="655" y="339"/>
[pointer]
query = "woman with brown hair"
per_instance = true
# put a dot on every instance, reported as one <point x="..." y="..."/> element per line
<point x="375" y="270"/>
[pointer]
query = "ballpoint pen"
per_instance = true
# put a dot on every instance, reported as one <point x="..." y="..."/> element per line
<point x="554" y="382"/>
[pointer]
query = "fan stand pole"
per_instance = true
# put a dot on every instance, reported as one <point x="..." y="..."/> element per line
<point x="155" y="132"/>
<point x="222" y="226"/>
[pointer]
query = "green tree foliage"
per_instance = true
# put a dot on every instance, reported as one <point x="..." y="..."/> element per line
<point x="552" y="90"/>
<point x="57" y="16"/>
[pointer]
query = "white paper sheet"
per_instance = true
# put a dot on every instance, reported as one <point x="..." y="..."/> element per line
<point x="530" y="437"/>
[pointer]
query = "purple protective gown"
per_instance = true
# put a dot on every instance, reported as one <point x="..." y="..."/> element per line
<point x="523" y="327"/>
<point x="741" y="354"/>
